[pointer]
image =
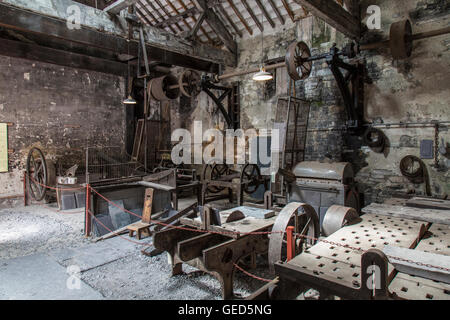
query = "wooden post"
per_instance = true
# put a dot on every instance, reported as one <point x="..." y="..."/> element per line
<point x="148" y="203"/>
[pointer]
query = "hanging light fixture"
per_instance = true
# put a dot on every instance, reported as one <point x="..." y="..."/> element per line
<point x="129" y="100"/>
<point x="262" y="75"/>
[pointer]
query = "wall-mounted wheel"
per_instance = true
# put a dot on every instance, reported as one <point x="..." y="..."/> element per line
<point x="299" y="68"/>
<point x="306" y="225"/>
<point x="400" y="39"/>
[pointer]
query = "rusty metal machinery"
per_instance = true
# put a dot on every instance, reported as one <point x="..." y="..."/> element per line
<point x="216" y="178"/>
<point x="187" y="182"/>
<point x="337" y="217"/>
<point x="375" y="139"/>
<point x="298" y="61"/>
<point x="164" y="88"/>
<point x="218" y="252"/>
<point x="215" y="242"/>
<point x="41" y="173"/>
<point x="322" y="185"/>
<point x="189" y="82"/>
<point x="355" y="261"/>
<point x="305" y="222"/>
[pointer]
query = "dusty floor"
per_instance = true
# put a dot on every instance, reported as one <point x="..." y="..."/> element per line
<point x="114" y="268"/>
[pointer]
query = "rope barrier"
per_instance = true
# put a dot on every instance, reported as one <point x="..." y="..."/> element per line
<point x="229" y="233"/>
<point x="362" y="251"/>
<point x="215" y="232"/>
<point x="117" y="234"/>
<point x="251" y="275"/>
<point x="57" y="210"/>
<point x="54" y="188"/>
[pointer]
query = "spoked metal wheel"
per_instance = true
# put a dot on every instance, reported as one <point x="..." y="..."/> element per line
<point x="298" y="66"/>
<point x="306" y="225"/>
<point x="214" y="172"/>
<point x="38" y="173"/>
<point x="218" y="171"/>
<point x="251" y="173"/>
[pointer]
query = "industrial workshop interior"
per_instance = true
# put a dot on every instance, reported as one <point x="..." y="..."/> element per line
<point x="247" y="151"/>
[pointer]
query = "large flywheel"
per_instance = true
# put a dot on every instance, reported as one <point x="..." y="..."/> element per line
<point x="306" y="225"/>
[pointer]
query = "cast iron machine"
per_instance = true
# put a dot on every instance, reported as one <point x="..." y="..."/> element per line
<point x="216" y="178"/>
<point x="322" y="185"/>
<point x="215" y="242"/>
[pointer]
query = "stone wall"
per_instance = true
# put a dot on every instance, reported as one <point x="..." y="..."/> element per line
<point x="408" y="91"/>
<point x="59" y="110"/>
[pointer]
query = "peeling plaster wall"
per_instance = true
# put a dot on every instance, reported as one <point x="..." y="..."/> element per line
<point x="57" y="109"/>
<point x="412" y="90"/>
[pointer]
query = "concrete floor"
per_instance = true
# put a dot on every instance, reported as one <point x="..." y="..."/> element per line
<point x="43" y="254"/>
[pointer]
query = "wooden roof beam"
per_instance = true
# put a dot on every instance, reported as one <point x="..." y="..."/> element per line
<point x="266" y="14"/>
<point x="289" y="10"/>
<point x="277" y="12"/>
<point x="51" y="29"/>
<point x="183" y="5"/>
<point x="158" y="13"/>
<point x="236" y="11"/>
<point x="252" y="14"/>
<point x="335" y="15"/>
<point x="227" y="17"/>
<point x="168" y="14"/>
<point x="217" y="25"/>
<point x="119" y="5"/>
<point x="185" y="14"/>
<point x="179" y="17"/>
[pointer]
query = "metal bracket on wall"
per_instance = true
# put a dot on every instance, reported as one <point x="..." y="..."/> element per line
<point x="207" y="86"/>
<point x="351" y="85"/>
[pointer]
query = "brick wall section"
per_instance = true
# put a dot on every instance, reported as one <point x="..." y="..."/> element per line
<point x="59" y="110"/>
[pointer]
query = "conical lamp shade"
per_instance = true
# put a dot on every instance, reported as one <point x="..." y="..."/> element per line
<point x="129" y="100"/>
<point x="262" y="75"/>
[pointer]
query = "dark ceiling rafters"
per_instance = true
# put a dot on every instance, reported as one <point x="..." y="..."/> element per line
<point x="240" y="17"/>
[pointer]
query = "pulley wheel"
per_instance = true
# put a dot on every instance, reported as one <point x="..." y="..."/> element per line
<point x="251" y="173"/>
<point x="213" y="172"/>
<point x="161" y="88"/>
<point x="217" y="171"/>
<point x="337" y="217"/>
<point x="412" y="168"/>
<point x="375" y="139"/>
<point x="38" y="173"/>
<point x="305" y="221"/>
<point x="189" y="82"/>
<point x="400" y="39"/>
<point x="296" y="61"/>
